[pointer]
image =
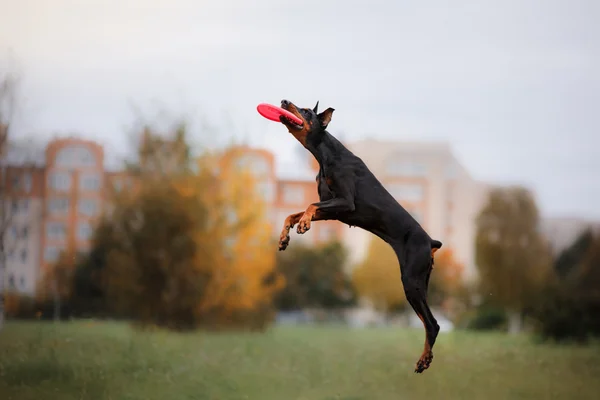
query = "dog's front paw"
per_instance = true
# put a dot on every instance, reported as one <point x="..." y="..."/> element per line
<point x="284" y="238"/>
<point x="424" y="362"/>
<point x="303" y="226"/>
<point x="283" y="243"/>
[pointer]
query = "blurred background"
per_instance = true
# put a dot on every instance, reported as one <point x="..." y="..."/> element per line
<point x="142" y="197"/>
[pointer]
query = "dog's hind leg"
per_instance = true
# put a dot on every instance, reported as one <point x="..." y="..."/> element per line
<point x="415" y="278"/>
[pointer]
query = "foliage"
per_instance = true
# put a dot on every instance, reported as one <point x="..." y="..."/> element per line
<point x="19" y="306"/>
<point x="487" y="318"/>
<point x="446" y="279"/>
<point x="572" y="257"/>
<point x="512" y="257"/>
<point x="188" y="247"/>
<point x="568" y="307"/>
<point x="89" y="294"/>
<point x="314" y="277"/>
<point x="378" y="278"/>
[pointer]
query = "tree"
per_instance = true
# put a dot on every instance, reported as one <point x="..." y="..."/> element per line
<point x="511" y="255"/>
<point x="314" y="277"/>
<point x="378" y="277"/>
<point x="187" y="247"/>
<point x="246" y="279"/>
<point x="572" y="257"/>
<point x="9" y="89"/>
<point x="446" y="278"/>
<point x="569" y="304"/>
<point x="89" y="292"/>
<point x="56" y="284"/>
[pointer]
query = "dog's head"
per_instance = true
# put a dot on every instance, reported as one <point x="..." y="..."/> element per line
<point x="313" y="123"/>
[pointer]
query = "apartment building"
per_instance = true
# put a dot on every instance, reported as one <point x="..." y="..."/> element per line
<point x="23" y="210"/>
<point x="52" y="200"/>
<point x="73" y="196"/>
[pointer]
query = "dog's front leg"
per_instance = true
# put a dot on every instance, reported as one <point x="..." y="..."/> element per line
<point x="290" y="221"/>
<point x="324" y="210"/>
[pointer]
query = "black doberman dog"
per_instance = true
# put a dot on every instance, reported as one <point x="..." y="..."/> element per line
<point x="350" y="193"/>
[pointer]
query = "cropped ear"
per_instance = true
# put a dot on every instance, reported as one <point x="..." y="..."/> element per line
<point x="316" y="109"/>
<point x="325" y="117"/>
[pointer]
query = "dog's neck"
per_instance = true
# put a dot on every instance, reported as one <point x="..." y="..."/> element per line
<point x="324" y="147"/>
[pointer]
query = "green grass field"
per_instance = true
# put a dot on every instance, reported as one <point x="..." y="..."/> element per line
<point x="111" y="361"/>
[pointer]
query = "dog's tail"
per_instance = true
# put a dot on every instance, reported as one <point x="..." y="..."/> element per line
<point x="435" y="246"/>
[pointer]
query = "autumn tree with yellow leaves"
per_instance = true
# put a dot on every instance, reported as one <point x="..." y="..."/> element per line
<point x="378" y="278"/>
<point x="188" y="246"/>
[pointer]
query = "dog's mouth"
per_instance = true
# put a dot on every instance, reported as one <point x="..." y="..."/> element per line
<point x="288" y="121"/>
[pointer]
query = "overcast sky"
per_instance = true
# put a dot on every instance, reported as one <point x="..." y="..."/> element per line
<point x="513" y="85"/>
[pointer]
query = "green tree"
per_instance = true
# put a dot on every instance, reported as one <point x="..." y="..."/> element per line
<point x="314" y="277"/>
<point x="572" y="257"/>
<point x="511" y="255"/>
<point x="569" y="305"/>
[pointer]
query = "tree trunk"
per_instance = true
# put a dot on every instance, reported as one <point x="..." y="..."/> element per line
<point x="2" y="269"/>
<point x="515" y="322"/>
<point x="56" y="298"/>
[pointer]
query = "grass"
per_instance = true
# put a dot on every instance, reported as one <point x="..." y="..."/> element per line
<point x="83" y="360"/>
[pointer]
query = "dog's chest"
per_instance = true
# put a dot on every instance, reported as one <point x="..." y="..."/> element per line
<point x="324" y="187"/>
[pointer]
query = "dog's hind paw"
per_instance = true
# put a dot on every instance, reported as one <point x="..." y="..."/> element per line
<point x="424" y="362"/>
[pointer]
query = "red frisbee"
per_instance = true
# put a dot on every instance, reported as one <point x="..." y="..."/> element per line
<point x="273" y="113"/>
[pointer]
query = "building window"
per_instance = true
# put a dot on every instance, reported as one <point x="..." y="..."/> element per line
<point x="27" y="182"/>
<point x="11" y="281"/>
<point x="86" y="157"/>
<point x="23" y="181"/>
<point x="89" y="182"/>
<point x="15" y="206"/>
<point x="15" y="182"/>
<point x="58" y="205"/>
<point x="56" y="230"/>
<point x="406" y="192"/>
<point x="75" y="156"/>
<point x="84" y="231"/>
<point x="293" y="194"/>
<point x="22" y="282"/>
<point x="88" y="207"/>
<point x="51" y="253"/>
<point x="24" y="205"/>
<point x="14" y="232"/>
<point x="267" y="191"/>
<point x="23" y="256"/>
<point x="255" y="163"/>
<point x="118" y="184"/>
<point x="10" y="255"/>
<point x="59" y="181"/>
<point x="25" y="232"/>
<point x="406" y="168"/>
